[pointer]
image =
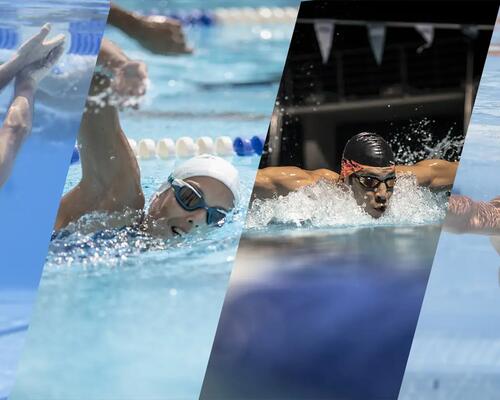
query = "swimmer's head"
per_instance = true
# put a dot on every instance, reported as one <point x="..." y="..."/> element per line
<point x="199" y="192"/>
<point x="368" y="167"/>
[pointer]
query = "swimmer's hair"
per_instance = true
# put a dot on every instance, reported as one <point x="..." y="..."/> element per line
<point x="370" y="149"/>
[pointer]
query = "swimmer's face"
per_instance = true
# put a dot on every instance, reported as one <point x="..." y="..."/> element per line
<point x="167" y="218"/>
<point x="372" y="188"/>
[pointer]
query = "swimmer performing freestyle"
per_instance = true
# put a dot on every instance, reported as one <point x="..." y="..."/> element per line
<point x="28" y="66"/>
<point x="200" y="192"/>
<point x="368" y="169"/>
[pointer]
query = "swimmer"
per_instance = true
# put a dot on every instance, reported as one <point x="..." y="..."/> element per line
<point x="158" y="34"/>
<point x="368" y="168"/>
<point x="29" y="65"/>
<point x="198" y="193"/>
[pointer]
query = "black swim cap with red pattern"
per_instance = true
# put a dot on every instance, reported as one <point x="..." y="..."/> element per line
<point x="369" y="149"/>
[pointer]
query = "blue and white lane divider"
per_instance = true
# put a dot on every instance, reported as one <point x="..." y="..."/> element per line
<point x="235" y="15"/>
<point x="86" y="35"/>
<point x="184" y="147"/>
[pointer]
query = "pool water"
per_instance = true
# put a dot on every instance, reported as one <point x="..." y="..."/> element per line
<point x="323" y="297"/>
<point x="456" y="350"/>
<point x="27" y="200"/>
<point x="138" y="315"/>
<point x="323" y="304"/>
<point x="313" y="314"/>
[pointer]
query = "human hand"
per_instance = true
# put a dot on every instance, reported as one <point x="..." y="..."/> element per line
<point x="129" y="83"/>
<point x="161" y="35"/>
<point x="37" y="70"/>
<point x="130" y="79"/>
<point x="37" y="48"/>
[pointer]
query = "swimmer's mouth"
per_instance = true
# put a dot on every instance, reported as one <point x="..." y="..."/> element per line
<point x="381" y="208"/>
<point x="177" y="231"/>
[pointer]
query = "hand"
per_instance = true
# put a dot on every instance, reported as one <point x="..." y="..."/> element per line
<point x="130" y="79"/>
<point x="161" y="35"/>
<point x="37" y="48"/>
<point x="129" y="83"/>
<point x="36" y="71"/>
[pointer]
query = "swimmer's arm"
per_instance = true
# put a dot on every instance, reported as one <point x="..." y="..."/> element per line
<point x="8" y="71"/>
<point x="435" y="174"/>
<point x="110" y="173"/>
<point x="129" y="77"/>
<point x="160" y="35"/>
<point x="17" y="125"/>
<point x="111" y="56"/>
<point x="279" y="181"/>
<point x="465" y="215"/>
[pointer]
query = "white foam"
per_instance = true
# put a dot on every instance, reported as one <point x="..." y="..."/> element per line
<point x="326" y="205"/>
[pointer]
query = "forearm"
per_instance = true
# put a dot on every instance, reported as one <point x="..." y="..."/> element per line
<point x="123" y="20"/>
<point x="468" y="216"/>
<point x="111" y="56"/>
<point x="16" y="127"/>
<point x="8" y="71"/>
<point x="444" y="175"/>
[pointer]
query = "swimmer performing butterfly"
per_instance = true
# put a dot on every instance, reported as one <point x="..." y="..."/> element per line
<point x="368" y="168"/>
<point x="198" y="193"/>
<point x="28" y="66"/>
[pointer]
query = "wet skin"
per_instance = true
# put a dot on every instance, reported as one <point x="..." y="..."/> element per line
<point x="167" y="218"/>
<point x="373" y="200"/>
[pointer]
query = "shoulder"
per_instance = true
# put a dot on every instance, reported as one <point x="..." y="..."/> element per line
<point x="326" y="174"/>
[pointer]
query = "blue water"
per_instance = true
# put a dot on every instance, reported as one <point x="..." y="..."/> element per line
<point x="138" y="315"/>
<point x="28" y="201"/>
<point x="323" y="301"/>
<point x="456" y="350"/>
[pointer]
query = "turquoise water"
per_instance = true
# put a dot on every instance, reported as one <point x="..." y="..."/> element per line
<point x="138" y="315"/>
<point x="456" y="350"/>
<point x="28" y="201"/>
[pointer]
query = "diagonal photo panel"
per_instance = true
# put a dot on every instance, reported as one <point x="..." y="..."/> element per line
<point x="47" y="54"/>
<point x="456" y="351"/>
<point x="148" y="226"/>
<point x="349" y="200"/>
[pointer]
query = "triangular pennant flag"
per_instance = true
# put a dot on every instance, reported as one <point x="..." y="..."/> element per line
<point x="376" y="35"/>
<point x="427" y="32"/>
<point x="324" y="34"/>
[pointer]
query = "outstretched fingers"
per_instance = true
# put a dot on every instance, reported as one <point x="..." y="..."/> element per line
<point x="44" y="31"/>
<point x="54" y="42"/>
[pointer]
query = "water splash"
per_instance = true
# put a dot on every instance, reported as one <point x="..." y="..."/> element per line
<point x="419" y="141"/>
<point x="326" y="205"/>
<point x="109" y="96"/>
<point x="94" y="241"/>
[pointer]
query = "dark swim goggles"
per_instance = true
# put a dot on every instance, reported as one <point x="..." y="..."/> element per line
<point x="371" y="182"/>
<point x="190" y="199"/>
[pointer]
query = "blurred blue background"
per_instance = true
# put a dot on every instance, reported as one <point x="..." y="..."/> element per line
<point x="30" y="198"/>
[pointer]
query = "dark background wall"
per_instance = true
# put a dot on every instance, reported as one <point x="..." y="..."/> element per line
<point x="322" y="105"/>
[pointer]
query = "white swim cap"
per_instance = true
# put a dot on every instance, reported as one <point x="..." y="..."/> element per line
<point x="214" y="167"/>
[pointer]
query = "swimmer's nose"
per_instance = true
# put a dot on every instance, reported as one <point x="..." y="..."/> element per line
<point x="381" y="194"/>
<point x="196" y="218"/>
<point x="380" y="198"/>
